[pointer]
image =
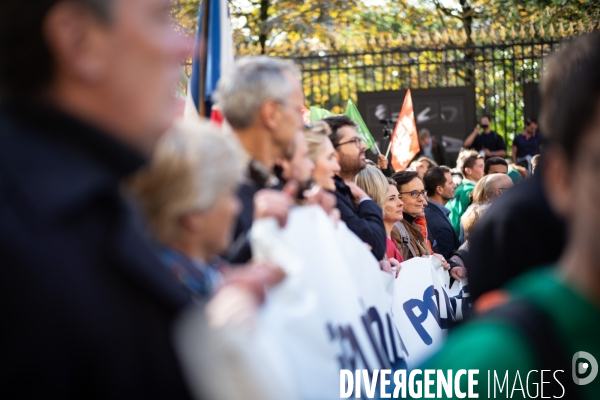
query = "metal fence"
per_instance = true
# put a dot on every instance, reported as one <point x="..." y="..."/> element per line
<point x="499" y="73"/>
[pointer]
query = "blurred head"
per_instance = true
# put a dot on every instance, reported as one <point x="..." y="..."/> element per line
<point x="114" y="63"/>
<point x="412" y="192"/>
<point x="570" y="119"/>
<point x="495" y="165"/>
<point x="299" y="167"/>
<point x="496" y="185"/>
<point x="472" y="216"/>
<point x="186" y="194"/>
<point x="486" y="122"/>
<point x="262" y="97"/>
<point x="473" y="167"/>
<point x="349" y="148"/>
<point x="424" y="137"/>
<point x="374" y="184"/>
<point x="439" y="184"/>
<point x="322" y="154"/>
<point x="478" y="193"/>
<point x="392" y="212"/>
<point x="422" y="165"/>
<point x="462" y="156"/>
<point x="531" y="125"/>
<point x="534" y="163"/>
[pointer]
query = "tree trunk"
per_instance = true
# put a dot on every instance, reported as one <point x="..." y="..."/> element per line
<point x="467" y="20"/>
<point x="264" y="16"/>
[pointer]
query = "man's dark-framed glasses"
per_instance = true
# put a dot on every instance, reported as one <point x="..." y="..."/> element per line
<point x="357" y="141"/>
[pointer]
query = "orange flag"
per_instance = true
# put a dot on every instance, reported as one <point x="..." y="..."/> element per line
<point x="404" y="143"/>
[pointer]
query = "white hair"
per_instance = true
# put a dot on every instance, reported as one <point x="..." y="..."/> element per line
<point x="192" y="165"/>
<point x="252" y="81"/>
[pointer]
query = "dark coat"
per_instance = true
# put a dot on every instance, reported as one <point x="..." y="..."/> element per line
<point x="517" y="233"/>
<point x="366" y="221"/>
<point x="87" y="307"/>
<point x="445" y="240"/>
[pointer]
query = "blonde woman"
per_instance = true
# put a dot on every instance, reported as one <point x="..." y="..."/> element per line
<point x="372" y="181"/>
<point x="190" y="201"/>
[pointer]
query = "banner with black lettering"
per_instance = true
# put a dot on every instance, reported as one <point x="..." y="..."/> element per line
<point x="333" y="311"/>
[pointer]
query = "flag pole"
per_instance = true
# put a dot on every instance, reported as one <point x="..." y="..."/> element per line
<point x="387" y="153"/>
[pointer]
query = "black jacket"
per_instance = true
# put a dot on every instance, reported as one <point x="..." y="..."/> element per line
<point x="444" y="240"/>
<point x="517" y="233"/>
<point x="366" y="221"/>
<point x="86" y="305"/>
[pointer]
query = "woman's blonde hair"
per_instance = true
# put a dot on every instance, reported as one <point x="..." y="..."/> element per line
<point x="374" y="183"/>
<point x="472" y="216"/>
<point x="315" y="136"/>
<point x="192" y="165"/>
<point x="479" y="192"/>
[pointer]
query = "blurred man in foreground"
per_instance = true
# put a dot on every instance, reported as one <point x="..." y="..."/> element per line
<point x="553" y="319"/>
<point x="87" y="90"/>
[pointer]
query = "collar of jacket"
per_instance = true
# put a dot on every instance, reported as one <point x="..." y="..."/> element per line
<point x="341" y="186"/>
<point x="409" y="218"/>
<point x="58" y="161"/>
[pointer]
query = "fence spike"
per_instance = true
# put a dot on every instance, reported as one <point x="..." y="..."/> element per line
<point x="522" y="32"/>
<point x="493" y="34"/>
<point x="551" y="30"/>
<point x="580" y="28"/>
<point x="464" y="36"/>
<point x="503" y="33"/>
<point x="482" y="35"/>
<point x="437" y="38"/>
<point x="532" y="31"/>
<point x="400" y="40"/>
<point x="561" y="30"/>
<point x="571" y="30"/>
<point x="409" y="39"/>
<point x="591" y="27"/>
<point x="513" y="35"/>
<point x="445" y="38"/>
<point x="372" y="42"/>
<point x="418" y="39"/>
<point x="541" y="32"/>
<point x="427" y="39"/>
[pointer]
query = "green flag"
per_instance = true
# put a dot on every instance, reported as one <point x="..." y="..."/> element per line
<point x="317" y="113"/>
<point x="361" y="127"/>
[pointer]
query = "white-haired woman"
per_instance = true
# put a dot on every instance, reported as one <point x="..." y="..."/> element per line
<point x="190" y="201"/>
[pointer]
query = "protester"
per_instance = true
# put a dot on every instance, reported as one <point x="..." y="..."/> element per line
<point x="469" y="220"/>
<point x="491" y="187"/>
<point x="299" y="166"/>
<point x="375" y="185"/>
<point x="473" y="170"/>
<point x="262" y="100"/>
<point x="495" y="165"/>
<point x="392" y="214"/>
<point x="322" y="154"/>
<point x="407" y="235"/>
<point x="440" y="189"/>
<point x="526" y="144"/>
<point x="360" y="213"/>
<point x="520" y="170"/>
<point x="88" y="308"/>
<point x="488" y="142"/>
<point x="556" y="307"/>
<point x="422" y="165"/>
<point x="430" y="148"/>
<point x="534" y="163"/>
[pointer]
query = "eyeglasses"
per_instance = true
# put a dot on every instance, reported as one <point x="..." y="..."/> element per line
<point x="415" y="194"/>
<point x="357" y="141"/>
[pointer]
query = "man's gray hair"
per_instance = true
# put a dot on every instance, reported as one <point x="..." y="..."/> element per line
<point x="252" y="81"/>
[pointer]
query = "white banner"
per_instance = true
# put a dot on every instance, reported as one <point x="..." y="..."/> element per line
<point x="333" y="311"/>
<point x="424" y="307"/>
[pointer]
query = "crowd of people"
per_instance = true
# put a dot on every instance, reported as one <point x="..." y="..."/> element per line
<point x="111" y="227"/>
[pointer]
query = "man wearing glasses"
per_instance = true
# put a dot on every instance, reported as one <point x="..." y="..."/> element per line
<point x="360" y="213"/>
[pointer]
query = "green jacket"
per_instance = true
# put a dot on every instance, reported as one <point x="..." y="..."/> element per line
<point x="459" y="204"/>
<point x="497" y="346"/>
